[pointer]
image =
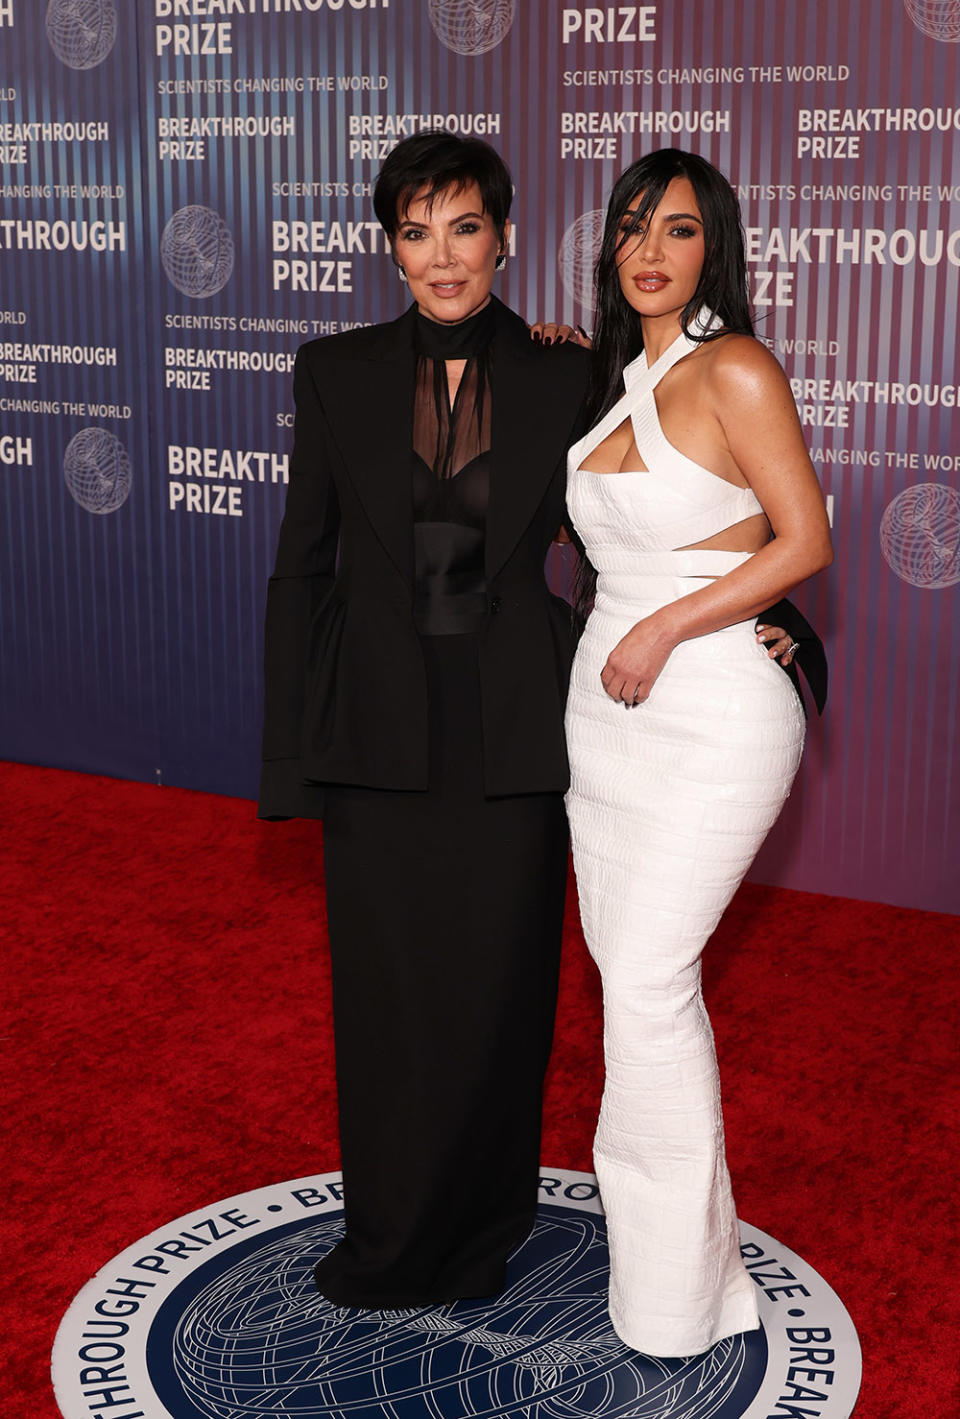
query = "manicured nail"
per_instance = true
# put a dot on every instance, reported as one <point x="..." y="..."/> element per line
<point x="537" y="335"/>
<point x="548" y="339"/>
<point x="581" y="331"/>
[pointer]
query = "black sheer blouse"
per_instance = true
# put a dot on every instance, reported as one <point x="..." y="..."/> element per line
<point x="451" y="475"/>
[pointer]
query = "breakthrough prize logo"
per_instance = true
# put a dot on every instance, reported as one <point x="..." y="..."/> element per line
<point x="578" y="254"/>
<point x="471" y="27"/>
<point x="96" y="469"/>
<point x="920" y="535"/>
<point x="196" y="250"/>
<point x="81" y="32"/>
<point x="215" y="1316"/>
<point x="940" y="19"/>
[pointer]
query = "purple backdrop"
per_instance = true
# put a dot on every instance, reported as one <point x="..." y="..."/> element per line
<point x="183" y="199"/>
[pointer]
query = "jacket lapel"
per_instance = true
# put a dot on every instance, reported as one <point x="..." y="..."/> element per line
<point x="535" y="404"/>
<point x="368" y="395"/>
<point x="368" y="400"/>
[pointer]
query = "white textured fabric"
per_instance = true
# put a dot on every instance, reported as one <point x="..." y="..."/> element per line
<point x="668" y="804"/>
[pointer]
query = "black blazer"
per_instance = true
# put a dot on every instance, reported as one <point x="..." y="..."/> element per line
<point x="346" y="697"/>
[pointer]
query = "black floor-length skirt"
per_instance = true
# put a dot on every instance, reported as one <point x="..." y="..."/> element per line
<point x="445" y="913"/>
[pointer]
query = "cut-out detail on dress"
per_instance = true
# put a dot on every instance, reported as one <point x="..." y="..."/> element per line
<point x="614" y="472"/>
<point x="754" y="519"/>
<point x="700" y="503"/>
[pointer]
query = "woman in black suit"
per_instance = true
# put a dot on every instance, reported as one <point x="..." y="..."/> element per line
<point x="420" y="678"/>
<point x="416" y="674"/>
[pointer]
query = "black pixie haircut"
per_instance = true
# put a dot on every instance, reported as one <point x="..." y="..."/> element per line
<point x="436" y="160"/>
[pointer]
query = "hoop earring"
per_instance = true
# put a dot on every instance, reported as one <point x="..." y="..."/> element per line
<point x="401" y="273"/>
<point x="501" y="261"/>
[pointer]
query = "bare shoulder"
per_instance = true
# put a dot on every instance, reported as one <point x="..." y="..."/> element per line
<point x="740" y="370"/>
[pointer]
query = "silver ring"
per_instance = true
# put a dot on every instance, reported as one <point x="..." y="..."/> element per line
<point x="794" y="646"/>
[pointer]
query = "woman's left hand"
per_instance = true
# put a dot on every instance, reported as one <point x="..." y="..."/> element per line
<point x="634" y="663"/>
<point x="777" y="643"/>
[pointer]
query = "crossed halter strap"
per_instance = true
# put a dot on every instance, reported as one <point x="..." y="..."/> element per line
<point x="703" y="503"/>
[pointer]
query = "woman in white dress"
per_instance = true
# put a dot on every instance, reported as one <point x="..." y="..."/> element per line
<point x="698" y="506"/>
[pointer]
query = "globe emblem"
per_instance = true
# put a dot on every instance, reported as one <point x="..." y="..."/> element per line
<point x="920" y="535"/>
<point x="578" y="254"/>
<point x="940" y="19"/>
<point x="471" y="26"/>
<point x="256" y="1340"/>
<point x="97" y="470"/>
<point x="196" y="249"/>
<point x="81" y="32"/>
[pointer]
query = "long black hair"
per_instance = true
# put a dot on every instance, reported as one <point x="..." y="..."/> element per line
<point x="618" y="334"/>
<point x="722" y="288"/>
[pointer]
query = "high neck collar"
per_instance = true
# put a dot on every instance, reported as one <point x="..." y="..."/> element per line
<point x="462" y="341"/>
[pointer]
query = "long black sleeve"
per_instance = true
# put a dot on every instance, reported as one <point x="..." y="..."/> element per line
<point x="303" y="575"/>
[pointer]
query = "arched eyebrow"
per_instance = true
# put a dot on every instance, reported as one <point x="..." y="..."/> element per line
<point x="672" y="217"/>
<point x="409" y="222"/>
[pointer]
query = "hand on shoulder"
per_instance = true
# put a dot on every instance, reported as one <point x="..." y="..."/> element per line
<point x="548" y="332"/>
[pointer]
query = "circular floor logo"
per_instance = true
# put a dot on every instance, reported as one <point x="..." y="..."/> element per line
<point x="215" y="1317"/>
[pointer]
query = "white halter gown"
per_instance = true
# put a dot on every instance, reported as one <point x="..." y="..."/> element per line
<point x="669" y="802"/>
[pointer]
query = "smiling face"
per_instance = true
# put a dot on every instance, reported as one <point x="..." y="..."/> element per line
<point x="659" y="264"/>
<point x="448" y="250"/>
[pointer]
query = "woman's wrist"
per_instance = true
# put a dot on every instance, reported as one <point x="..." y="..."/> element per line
<point x="661" y="625"/>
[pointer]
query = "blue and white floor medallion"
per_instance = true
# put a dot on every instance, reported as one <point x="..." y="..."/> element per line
<point x="215" y="1316"/>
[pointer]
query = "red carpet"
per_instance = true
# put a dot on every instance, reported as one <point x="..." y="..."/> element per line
<point x="167" y="1044"/>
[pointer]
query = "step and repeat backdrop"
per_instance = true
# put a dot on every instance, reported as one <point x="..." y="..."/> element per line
<point x="185" y="196"/>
